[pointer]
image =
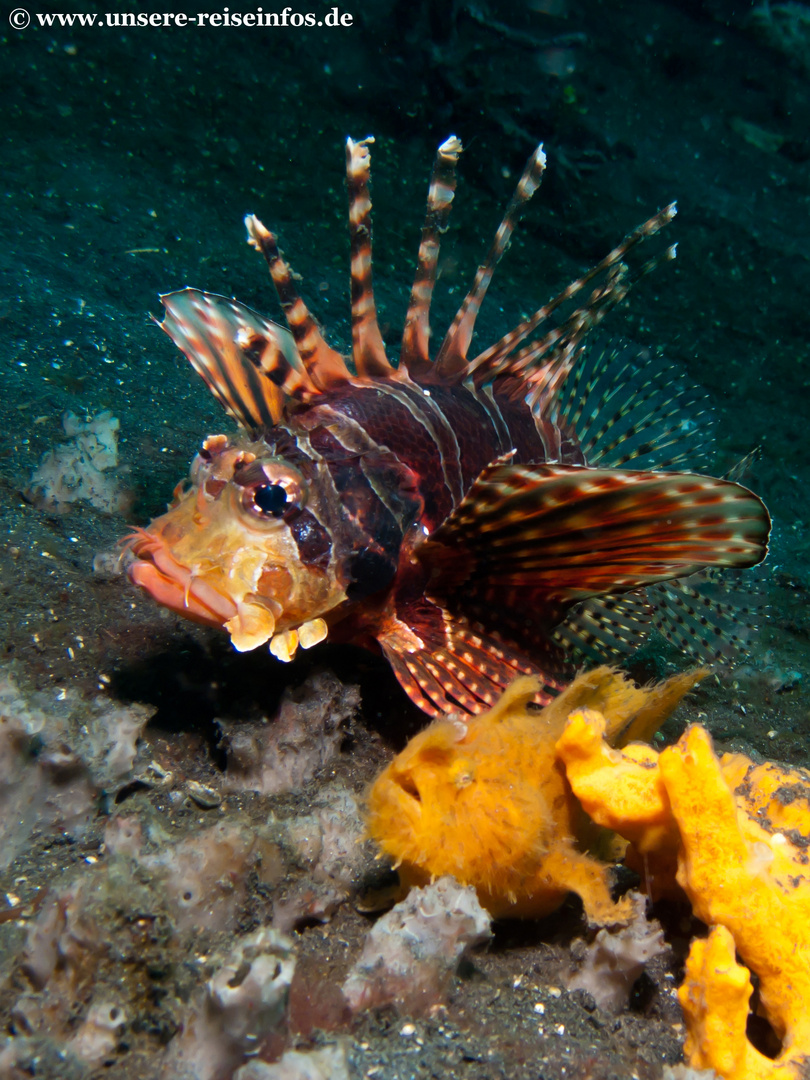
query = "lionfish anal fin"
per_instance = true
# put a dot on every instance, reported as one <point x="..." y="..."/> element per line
<point x="561" y="533"/>
<point x="325" y="366"/>
<point x="445" y="662"/>
<point x="250" y="364"/>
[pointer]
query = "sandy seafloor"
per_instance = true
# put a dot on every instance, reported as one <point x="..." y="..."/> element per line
<point x="129" y="159"/>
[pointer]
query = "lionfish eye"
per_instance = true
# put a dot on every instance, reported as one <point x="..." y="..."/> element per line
<point x="270" y="499"/>
<point x="270" y="489"/>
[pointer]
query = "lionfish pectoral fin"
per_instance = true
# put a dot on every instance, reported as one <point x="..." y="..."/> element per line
<point x="249" y="363"/>
<point x="558" y="534"/>
<point x="445" y="663"/>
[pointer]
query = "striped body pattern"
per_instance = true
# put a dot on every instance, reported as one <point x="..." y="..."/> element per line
<point x="473" y="517"/>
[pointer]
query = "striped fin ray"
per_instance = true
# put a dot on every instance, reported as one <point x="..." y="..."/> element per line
<point x="565" y="532"/>
<point x="325" y="366"/>
<point x="499" y="359"/>
<point x="605" y="628"/>
<point x="711" y="615"/>
<point x="565" y="343"/>
<point x="445" y="663"/>
<point x="368" y="350"/>
<point x="415" y="355"/>
<point x="626" y="405"/>
<point x="250" y="364"/>
<point x="452" y="355"/>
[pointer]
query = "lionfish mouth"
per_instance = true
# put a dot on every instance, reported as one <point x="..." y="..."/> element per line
<point x="154" y="569"/>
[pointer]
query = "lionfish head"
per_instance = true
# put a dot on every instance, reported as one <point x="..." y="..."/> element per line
<point x="240" y="548"/>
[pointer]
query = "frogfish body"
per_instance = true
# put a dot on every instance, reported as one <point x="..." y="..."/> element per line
<point x="473" y="517"/>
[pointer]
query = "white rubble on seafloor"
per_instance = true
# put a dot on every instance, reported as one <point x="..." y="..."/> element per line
<point x="324" y="1063"/>
<point x="304" y="737"/>
<point x="204" y="876"/>
<point x="330" y="843"/>
<point x="411" y="953"/>
<point x="97" y="1039"/>
<point x="57" y="753"/>
<point x="613" y="961"/>
<point x="241" y="1005"/>
<point x="81" y="468"/>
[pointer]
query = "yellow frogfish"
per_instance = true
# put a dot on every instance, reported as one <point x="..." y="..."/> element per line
<point x="488" y="802"/>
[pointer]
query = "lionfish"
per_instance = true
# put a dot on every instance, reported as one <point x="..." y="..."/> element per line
<point x="475" y="518"/>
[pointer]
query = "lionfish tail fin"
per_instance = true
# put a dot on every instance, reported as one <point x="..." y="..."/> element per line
<point x="415" y="355"/>
<point x="250" y="364"/>
<point x="325" y="366"/>
<point x="368" y="350"/>
<point x="452" y="357"/>
<point x="712" y="615"/>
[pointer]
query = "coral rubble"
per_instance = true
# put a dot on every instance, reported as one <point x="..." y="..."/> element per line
<point x="82" y="468"/>
<point x="413" y="950"/>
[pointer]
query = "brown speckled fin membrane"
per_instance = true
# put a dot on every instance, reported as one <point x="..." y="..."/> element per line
<point x="415" y="355"/>
<point x="249" y="363"/>
<point x="324" y="365"/>
<point x="368" y="350"/>
<point x="452" y="355"/>
<point x="446" y="663"/>
<point x="566" y="532"/>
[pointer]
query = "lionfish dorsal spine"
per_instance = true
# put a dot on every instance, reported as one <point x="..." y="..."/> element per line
<point x="415" y="354"/>
<point x="452" y="355"/>
<point x="568" y="344"/>
<point x="502" y="357"/>
<point x="325" y="367"/>
<point x="368" y="350"/>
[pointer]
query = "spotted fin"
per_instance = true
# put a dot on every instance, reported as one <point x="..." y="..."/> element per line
<point x="628" y="407"/>
<point x="552" y="535"/>
<point x="711" y="615"/>
<point x="606" y="627"/>
<point x="447" y="663"/>
<point x="249" y="363"/>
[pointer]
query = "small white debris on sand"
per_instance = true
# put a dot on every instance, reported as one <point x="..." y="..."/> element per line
<point x="96" y="1040"/>
<point x="412" y="952"/>
<point x="81" y="468"/>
